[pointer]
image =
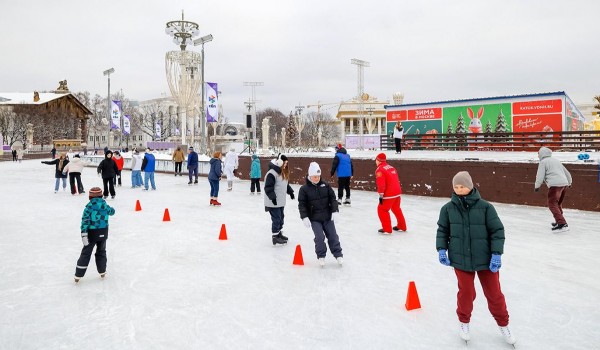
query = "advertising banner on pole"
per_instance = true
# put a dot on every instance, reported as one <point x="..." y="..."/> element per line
<point x="126" y="125"/>
<point x="212" y="110"/>
<point x="158" y="129"/>
<point x="115" y="108"/>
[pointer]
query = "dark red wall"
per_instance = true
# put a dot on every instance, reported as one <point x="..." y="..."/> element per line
<point x="498" y="182"/>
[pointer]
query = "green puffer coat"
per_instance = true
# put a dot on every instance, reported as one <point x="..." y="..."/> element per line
<point x="470" y="229"/>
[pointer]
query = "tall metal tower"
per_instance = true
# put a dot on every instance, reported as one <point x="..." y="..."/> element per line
<point x="252" y="103"/>
<point x="359" y="97"/>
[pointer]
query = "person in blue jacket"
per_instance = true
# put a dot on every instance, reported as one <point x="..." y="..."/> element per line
<point x="214" y="176"/>
<point x="255" y="175"/>
<point x="148" y="167"/>
<point x="192" y="165"/>
<point x="343" y="165"/>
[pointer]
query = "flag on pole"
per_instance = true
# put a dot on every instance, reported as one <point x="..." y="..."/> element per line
<point x="126" y="124"/>
<point x="212" y="110"/>
<point x="158" y="130"/>
<point x="115" y="109"/>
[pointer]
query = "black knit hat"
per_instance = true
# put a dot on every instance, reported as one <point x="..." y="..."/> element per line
<point x="95" y="192"/>
<point x="283" y="157"/>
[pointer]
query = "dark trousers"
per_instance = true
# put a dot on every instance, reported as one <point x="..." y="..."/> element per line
<point x="72" y="178"/>
<point x="277" y="217"/>
<point x="343" y="184"/>
<point x="109" y="185"/>
<point x="490" y="283"/>
<point x="193" y="170"/>
<point x="14" y="157"/>
<point x="214" y="188"/>
<point x="398" y="144"/>
<point x="383" y="211"/>
<point x="117" y="178"/>
<point x="178" y="167"/>
<point x="86" y="254"/>
<point x="255" y="183"/>
<point x="556" y="195"/>
<point x="324" y="230"/>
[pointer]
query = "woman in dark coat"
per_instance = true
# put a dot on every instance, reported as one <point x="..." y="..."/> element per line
<point x="108" y="169"/>
<point x="60" y="164"/>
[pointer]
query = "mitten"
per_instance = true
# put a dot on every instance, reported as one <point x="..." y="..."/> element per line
<point x="495" y="263"/>
<point x="84" y="238"/>
<point x="292" y="196"/>
<point x="306" y="222"/>
<point x="380" y="200"/>
<point x="274" y="201"/>
<point x="335" y="217"/>
<point x="536" y="189"/>
<point x="443" y="257"/>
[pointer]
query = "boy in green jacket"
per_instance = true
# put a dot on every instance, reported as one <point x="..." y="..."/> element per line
<point x="471" y="232"/>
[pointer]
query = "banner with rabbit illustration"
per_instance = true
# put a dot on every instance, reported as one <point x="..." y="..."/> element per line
<point x="495" y="117"/>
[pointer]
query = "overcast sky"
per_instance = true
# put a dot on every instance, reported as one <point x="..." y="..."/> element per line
<point x="301" y="50"/>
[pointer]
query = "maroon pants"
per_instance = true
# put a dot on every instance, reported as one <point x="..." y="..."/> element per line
<point x="383" y="211"/>
<point x="490" y="283"/>
<point x="556" y="195"/>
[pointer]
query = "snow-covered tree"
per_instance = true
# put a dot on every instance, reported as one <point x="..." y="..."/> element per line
<point x="461" y="128"/>
<point x="501" y="123"/>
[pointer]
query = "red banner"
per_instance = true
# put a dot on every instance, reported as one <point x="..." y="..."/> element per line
<point x="425" y="114"/>
<point x="537" y="107"/>
<point x="536" y="122"/>
<point x="393" y="116"/>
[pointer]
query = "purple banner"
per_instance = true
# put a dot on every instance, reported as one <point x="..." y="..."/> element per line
<point x="212" y="110"/>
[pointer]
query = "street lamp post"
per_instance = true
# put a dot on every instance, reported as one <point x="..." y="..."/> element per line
<point x="197" y="42"/>
<point x="108" y="72"/>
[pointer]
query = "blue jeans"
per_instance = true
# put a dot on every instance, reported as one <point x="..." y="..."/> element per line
<point x="277" y="217"/>
<point x="149" y="175"/>
<point x="214" y="188"/>
<point x="136" y="178"/>
<point x="64" y="181"/>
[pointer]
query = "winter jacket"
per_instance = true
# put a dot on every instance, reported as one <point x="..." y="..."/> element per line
<point x="58" y="173"/>
<point x="149" y="163"/>
<point x="95" y="214"/>
<point x="136" y="162"/>
<point x="107" y="167"/>
<point x="470" y="229"/>
<point x="74" y="166"/>
<point x="192" y="160"/>
<point x="388" y="183"/>
<point x="178" y="156"/>
<point x="551" y="171"/>
<point x="255" y="172"/>
<point x="216" y="169"/>
<point x="231" y="160"/>
<point x="398" y="133"/>
<point x="342" y="163"/>
<point x="276" y="188"/>
<point x="317" y="201"/>
<point x="119" y="161"/>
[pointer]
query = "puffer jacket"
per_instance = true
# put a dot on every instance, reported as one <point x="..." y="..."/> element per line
<point x="342" y="164"/>
<point x="107" y="168"/>
<point x="95" y="215"/>
<point x="470" y="229"/>
<point x="255" y="172"/>
<point x="58" y="173"/>
<point x="216" y="169"/>
<point x="74" y="166"/>
<point x="317" y="201"/>
<point x="551" y="171"/>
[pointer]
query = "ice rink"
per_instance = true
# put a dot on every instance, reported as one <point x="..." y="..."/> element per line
<point x="175" y="285"/>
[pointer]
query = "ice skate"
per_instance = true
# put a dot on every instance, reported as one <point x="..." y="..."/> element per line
<point x="77" y="279"/>
<point x="321" y="262"/>
<point x="280" y="235"/>
<point x="340" y="260"/>
<point x="465" y="332"/>
<point x="560" y="228"/>
<point x="190" y="182"/>
<point x="508" y="336"/>
<point x="229" y="189"/>
<point x="339" y="201"/>
<point x="553" y="224"/>
<point x="382" y="232"/>
<point x="112" y="197"/>
<point x="396" y="228"/>
<point x="277" y="239"/>
<point x="103" y="274"/>
<point x="347" y="202"/>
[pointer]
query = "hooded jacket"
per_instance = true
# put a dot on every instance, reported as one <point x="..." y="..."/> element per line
<point x="74" y="166"/>
<point x="216" y="169"/>
<point x="255" y="172"/>
<point x="107" y="167"/>
<point x="551" y="171"/>
<point x="317" y="201"/>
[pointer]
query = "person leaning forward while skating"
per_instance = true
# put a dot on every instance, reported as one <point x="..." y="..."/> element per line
<point x="557" y="178"/>
<point x="94" y="232"/>
<point x="470" y="238"/>
<point x="389" y="190"/>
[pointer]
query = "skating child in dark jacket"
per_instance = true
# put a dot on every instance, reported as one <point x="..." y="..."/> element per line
<point x="318" y="210"/>
<point x="94" y="232"/>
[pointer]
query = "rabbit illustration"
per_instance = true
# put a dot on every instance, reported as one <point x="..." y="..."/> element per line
<point x="475" y="125"/>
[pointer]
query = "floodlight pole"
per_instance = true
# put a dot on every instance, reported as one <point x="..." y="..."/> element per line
<point x="108" y="72"/>
<point x="253" y="85"/>
<point x="203" y="145"/>
<point x="360" y="64"/>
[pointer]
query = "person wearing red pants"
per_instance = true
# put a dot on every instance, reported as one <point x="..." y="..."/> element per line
<point x="389" y="189"/>
<point x="470" y="238"/>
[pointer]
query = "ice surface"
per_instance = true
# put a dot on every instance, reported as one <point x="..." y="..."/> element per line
<point x="174" y="285"/>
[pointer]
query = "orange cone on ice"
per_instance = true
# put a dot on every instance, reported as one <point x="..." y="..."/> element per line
<point x="412" y="297"/>
<point x="166" y="216"/>
<point x="223" y="233"/>
<point x="138" y="206"/>
<point x="298" y="260"/>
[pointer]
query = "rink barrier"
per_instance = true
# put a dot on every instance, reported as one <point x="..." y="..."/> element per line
<point x="161" y="165"/>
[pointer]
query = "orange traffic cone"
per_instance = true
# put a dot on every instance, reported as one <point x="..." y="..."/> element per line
<point x="166" y="216"/>
<point x="138" y="206"/>
<point x="412" y="298"/>
<point x="223" y="233"/>
<point x="298" y="260"/>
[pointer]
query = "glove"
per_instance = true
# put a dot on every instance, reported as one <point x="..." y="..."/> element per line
<point x="335" y="217"/>
<point x="99" y="175"/>
<point x="84" y="238"/>
<point x="380" y="200"/>
<point x="443" y="257"/>
<point x="495" y="263"/>
<point x="64" y="173"/>
<point x="292" y="196"/>
<point x="537" y="189"/>
<point x="274" y="201"/>
<point x="306" y="222"/>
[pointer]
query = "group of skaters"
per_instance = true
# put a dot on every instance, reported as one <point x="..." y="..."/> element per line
<point x="17" y="154"/>
<point x="470" y="235"/>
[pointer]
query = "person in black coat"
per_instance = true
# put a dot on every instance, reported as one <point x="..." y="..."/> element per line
<point x="60" y="163"/>
<point x="318" y="210"/>
<point x="107" y="169"/>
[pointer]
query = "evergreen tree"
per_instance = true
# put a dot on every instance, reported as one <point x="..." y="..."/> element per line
<point x="460" y="125"/>
<point x="501" y="123"/>
<point x="488" y="127"/>
<point x="291" y="132"/>
<point x="450" y="129"/>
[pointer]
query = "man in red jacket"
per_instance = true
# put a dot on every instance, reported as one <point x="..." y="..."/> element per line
<point x="389" y="189"/>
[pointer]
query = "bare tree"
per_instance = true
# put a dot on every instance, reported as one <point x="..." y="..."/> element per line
<point x="7" y="125"/>
<point x="320" y="129"/>
<point x="278" y="120"/>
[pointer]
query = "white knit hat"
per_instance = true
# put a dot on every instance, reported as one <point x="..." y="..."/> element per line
<point x="314" y="169"/>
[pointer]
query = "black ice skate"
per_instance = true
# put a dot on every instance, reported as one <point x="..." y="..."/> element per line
<point x="280" y="234"/>
<point x="277" y="239"/>
<point x="560" y="228"/>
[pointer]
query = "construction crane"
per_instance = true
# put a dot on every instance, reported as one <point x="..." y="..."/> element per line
<point x="319" y="105"/>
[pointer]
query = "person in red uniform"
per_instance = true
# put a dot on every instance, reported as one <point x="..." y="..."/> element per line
<point x="120" y="162"/>
<point x="389" y="189"/>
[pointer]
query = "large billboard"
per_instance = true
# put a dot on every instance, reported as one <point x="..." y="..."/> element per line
<point x="495" y="117"/>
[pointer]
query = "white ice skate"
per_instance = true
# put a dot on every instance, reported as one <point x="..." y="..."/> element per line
<point x="508" y="336"/>
<point x="340" y="260"/>
<point x="465" y="332"/>
<point x="322" y="262"/>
